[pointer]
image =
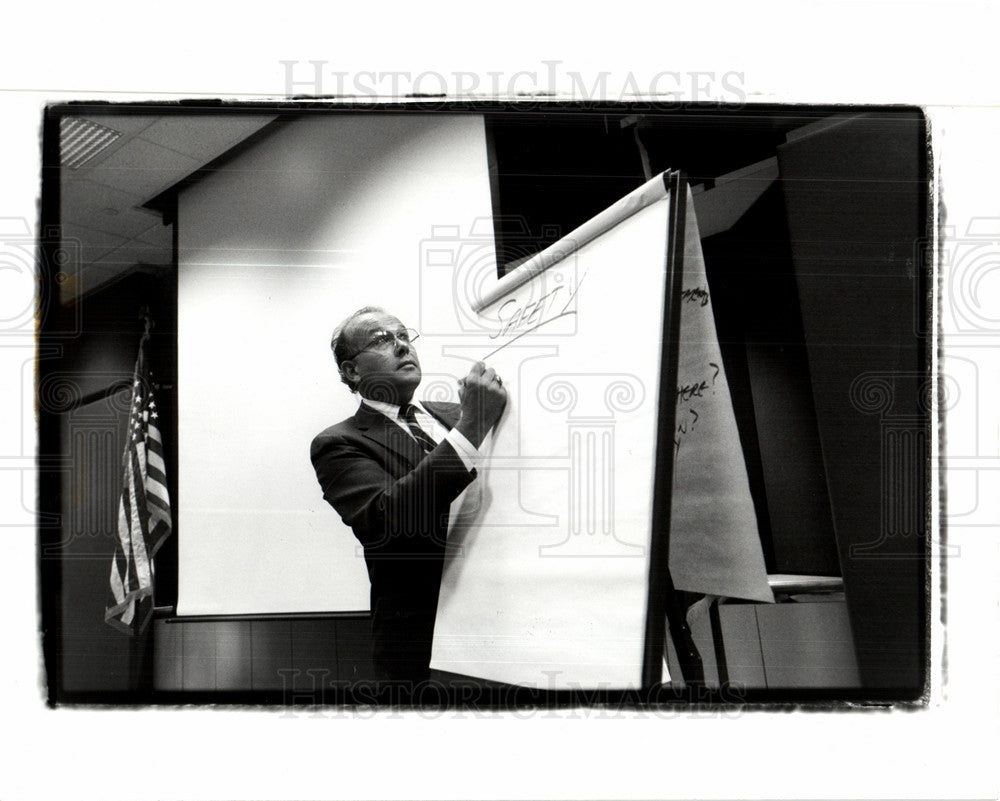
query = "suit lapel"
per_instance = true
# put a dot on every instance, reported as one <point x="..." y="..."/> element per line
<point x="377" y="427"/>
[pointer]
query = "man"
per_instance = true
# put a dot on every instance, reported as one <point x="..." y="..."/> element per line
<point x="392" y="470"/>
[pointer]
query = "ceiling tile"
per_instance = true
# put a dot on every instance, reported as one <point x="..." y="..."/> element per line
<point x="158" y="234"/>
<point x="141" y="168"/>
<point x="133" y="222"/>
<point x="204" y="137"/>
<point x="101" y="201"/>
<point x="86" y="245"/>
<point x="135" y="252"/>
<point x="88" y="280"/>
<point x="123" y="123"/>
<point x="103" y="208"/>
<point x="77" y="192"/>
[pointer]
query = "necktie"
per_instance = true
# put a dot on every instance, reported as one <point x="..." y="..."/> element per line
<point x="409" y="414"/>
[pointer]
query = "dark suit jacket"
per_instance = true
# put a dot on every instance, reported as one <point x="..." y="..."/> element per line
<point x="396" y="500"/>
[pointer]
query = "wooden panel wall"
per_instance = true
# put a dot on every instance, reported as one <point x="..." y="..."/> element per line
<point x="803" y="645"/>
<point x="289" y="656"/>
<point x="92" y="655"/>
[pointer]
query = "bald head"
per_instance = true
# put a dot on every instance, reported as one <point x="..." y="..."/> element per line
<point x="375" y="356"/>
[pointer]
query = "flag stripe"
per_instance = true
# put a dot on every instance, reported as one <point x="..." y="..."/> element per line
<point x="157" y="493"/>
<point x="139" y="462"/>
<point x="155" y="463"/>
<point x="125" y="538"/>
<point x="159" y="510"/>
<point x="139" y="522"/>
<point x="117" y="588"/>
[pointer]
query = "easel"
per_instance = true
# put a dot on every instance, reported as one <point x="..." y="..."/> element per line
<point x="664" y="603"/>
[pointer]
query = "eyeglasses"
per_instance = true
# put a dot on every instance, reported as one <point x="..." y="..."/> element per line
<point x="383" y="339"/>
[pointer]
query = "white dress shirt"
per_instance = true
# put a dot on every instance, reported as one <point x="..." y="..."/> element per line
<point x="467" y="452"/>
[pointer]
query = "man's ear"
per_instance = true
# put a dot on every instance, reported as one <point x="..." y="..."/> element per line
<point x="350" y="372"/>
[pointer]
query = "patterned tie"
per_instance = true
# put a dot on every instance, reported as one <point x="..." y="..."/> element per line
<point x="409" y="414"/>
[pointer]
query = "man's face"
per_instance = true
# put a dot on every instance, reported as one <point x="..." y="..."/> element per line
<point x="385" y="369"/>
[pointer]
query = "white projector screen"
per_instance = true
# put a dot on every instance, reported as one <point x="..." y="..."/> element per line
<point x="318" y="218"/>
<point x="328" y="214"/>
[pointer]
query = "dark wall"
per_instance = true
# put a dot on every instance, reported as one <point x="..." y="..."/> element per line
<point x="551" y="173"/>
<point x="857" y="205"/>
<point x="759" y="322"/>
<point x="84" y="399"/>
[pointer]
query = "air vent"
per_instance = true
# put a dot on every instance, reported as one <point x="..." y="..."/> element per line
<point x="80" y="140"/>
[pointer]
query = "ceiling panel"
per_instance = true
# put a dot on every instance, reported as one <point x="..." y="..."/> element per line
<point x="142" y="168"/>
<point x="96" y="275"/>
<point x="135" y="252"/>
<point x="203" y="138"/>
<point x="80" y="195"/>
<point x="103" y="208"/>
<point x="158" y="234"/>
<point x="123" y="123"/>
<point x="88" y="243"/>
<point x="101" y="202"/>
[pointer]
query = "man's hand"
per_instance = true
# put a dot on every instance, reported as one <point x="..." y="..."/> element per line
<point x="483" y="399"/>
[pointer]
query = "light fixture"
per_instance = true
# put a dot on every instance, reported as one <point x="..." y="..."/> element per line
<point x="81" y="139"/>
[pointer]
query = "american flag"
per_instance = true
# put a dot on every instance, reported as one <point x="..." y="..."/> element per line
<point x="144" y="519"/>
